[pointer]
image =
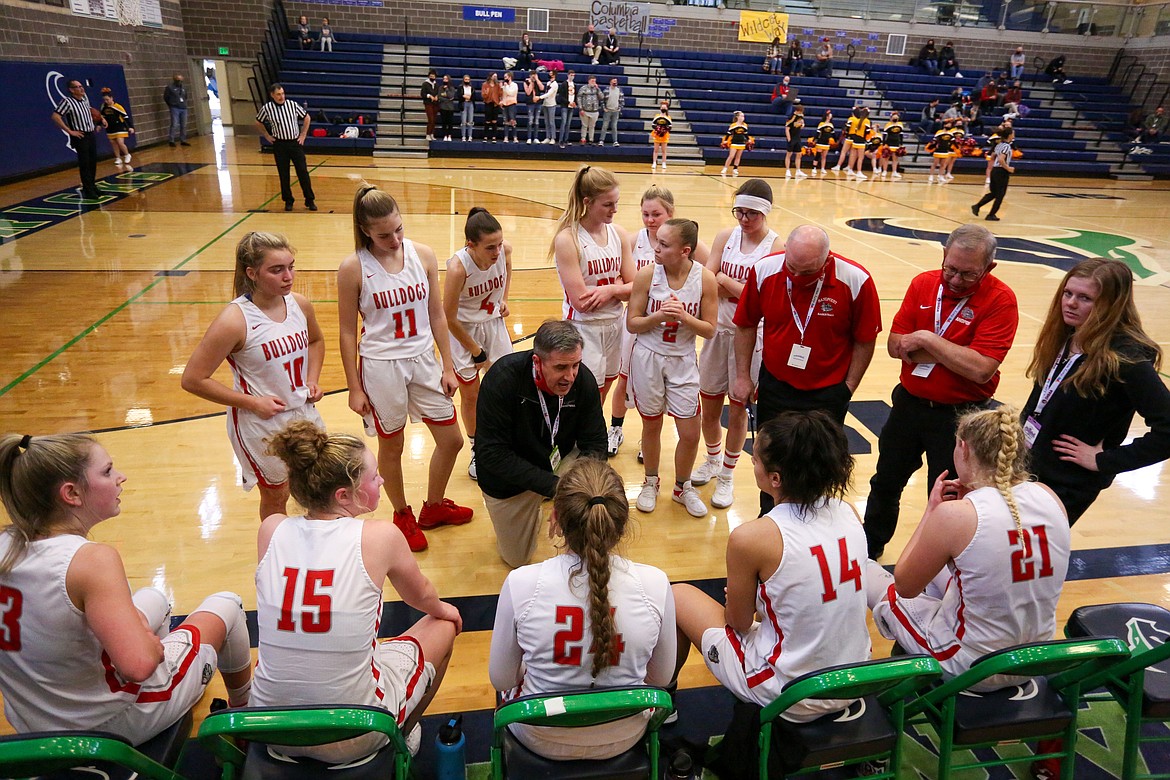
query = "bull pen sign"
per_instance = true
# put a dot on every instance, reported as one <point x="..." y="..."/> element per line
<point x="762" y="27"/>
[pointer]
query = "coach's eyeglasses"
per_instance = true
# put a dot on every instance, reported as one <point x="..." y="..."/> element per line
<point x="741" y="213"/>
<point x="966" y="276"/>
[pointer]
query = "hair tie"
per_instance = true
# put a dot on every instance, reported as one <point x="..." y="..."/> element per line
<point x="597" y="501"/>
<point x="25" y="441"/>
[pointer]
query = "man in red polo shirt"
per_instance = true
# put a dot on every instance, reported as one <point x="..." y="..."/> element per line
<point x="955" y="327"/>
<point x="821" y="319"/>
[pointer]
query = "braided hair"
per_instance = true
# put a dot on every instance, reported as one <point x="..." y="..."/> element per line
<point x="996" y="441"/>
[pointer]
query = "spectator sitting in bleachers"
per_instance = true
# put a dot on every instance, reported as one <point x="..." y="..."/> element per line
<point x="1018" y="62"/>
<point x="947" y="59"/>
<point x="989" y="97"/>
<point x="929" y="121"/>
<point x="526" y="55"/>
<point x="1153" y="127"/>
<point x="610" y="49"/>
<point x="793" y="58"/>
<point x="972" y="116"/>
<point x="949" y="67"/>
<point x="304" y="33"/>
<point x="1055" y="69"/>
<point x="928" y="58"/>
<point x="782" y="96"/>
<point x="590" y="46"/>
<point x="774" y="57"/>
<point x="326" y="37"/>
<point x="1134" y="122"/>
<point x="1010" y="100"/>
<point x="822" y="66"/>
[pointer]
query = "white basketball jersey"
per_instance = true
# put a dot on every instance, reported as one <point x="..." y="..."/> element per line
<point x="318" y="613"/>
<point x="673" y="338"/>
<point x="54" y="674"/>
<point x="396" y="322"/>
<point x="553" y="630"/>
<point x="736" y="264"/>
<point x="643" y="249"/>
<point x="1008" y="591"/>
<point x="483" y="290"/>
<point x="812" y="609"/>
<point x="600" y="265"/>
<point x="275" y="357"/>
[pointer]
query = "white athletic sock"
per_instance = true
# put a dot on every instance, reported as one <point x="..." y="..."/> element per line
<point x="713" y="451"/>
<point x="729" y="461"/>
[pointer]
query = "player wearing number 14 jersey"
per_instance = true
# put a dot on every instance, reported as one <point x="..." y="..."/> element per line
<point x="393" y="284"/>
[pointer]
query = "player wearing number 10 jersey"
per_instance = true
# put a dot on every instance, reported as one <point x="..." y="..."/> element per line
<point x="393" y="284"/>
<point x="551" y="617"/>
<point x="270" y="338"/>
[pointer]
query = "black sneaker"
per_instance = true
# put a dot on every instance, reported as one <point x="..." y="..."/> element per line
<point x="975" y="210"/>
<point x="183" y="143"/>
<point x="172" y="143"/>
<point x="288" y="207"/>
<point x="991" y="218"/>
<point x="311" y="206"/>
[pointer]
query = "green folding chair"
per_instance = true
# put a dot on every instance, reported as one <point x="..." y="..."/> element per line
<point x="54" y="754"/>
<point x="1145" y="697"/>
<point x="868" y="730"/>
<point x="576" y="709"/>
<point x="260" y="727"/>
<point x="1043" y="707"/>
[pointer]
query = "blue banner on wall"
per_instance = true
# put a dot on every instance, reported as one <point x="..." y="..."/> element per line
<point x="483" y="13"/>
<point x="32" y="90"/>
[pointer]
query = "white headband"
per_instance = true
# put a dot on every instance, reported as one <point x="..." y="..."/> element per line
<point x="752" y="202"/>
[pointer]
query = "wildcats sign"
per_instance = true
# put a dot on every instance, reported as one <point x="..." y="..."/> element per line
<point x="762" y="27"/>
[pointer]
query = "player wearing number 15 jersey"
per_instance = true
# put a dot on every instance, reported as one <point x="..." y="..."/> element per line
<point x="800" y="568"/>
<point x="393" y="284"/>
<point x="551" y="616"/>
<point x="319" y="597"/>
<point x="985" y="567"/>
<point x="270" y="338"/>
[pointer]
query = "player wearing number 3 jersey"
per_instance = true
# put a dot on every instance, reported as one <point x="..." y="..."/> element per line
<point x="551" y="616"/>
<point x="393" y="283"/>
<point x="270" y="338"/>
<point x="799" y="567"/>
<point x="986" y="564"/>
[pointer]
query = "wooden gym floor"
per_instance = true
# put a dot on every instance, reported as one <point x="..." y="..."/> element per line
<point x="101" y="310"/>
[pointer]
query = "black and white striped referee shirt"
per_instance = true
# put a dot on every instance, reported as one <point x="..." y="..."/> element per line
<point x="282" y="120"/>
<point x="76" y="114"/>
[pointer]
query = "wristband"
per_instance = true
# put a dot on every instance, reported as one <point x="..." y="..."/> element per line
<point x="480" y="358"/>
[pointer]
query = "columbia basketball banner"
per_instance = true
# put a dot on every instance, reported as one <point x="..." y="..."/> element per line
<point x="762" y="26"/>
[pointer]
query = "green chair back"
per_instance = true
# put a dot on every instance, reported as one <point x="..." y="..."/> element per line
<point x="31" y="755"/>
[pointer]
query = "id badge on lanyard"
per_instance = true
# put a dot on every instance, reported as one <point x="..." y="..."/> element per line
<point x="800" y="354"/>
<point x="940" y="328"/>
<point x="1056" y="375"/>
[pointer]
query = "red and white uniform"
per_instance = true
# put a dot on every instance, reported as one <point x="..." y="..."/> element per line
<point x="318" y="612"/>
<point x="542" y="627"/>
<point x="717" y="363"/>
<point x="399" y="372"/>
<point x="664" y="372"/>
<point x="54" y="674"/>
<point x="274" y="361"/>
<point x="479" y="313"/>
<point x="846" y="312"/>
<point x="812" y="612"/>
<point x="643" y="256"/>
<point x="996" y="593"/>
<point x="602" y="328"/>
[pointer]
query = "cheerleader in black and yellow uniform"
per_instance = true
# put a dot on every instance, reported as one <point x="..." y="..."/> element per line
<point x="118" y="127"/>
<point x="873" y="152"/>
<point x="893" y="145"/>
<point x="958" y="141"/>
<point x="857" y="128"/>
<point x="660" y="134"/>
<point x="940" y="149"/>
<point x="735" y="140"/>
<point x="822" y="142"/>
<point x="792" y="131"/>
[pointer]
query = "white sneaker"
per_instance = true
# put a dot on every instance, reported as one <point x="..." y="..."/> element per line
<point x="527" y="142"/>
<point x="414" y="739"/>
<point x="861" y="176"/>
<point x="723" y="172"/>
<point x="616" y="437"/>
<point x="950" y="176"/>
<point x="118" y="163"/>
<point x="648" y="498"/>
<point x="735" y="173"/>
<point x="848" y="173"/>
<point x="653" y="166"/>
<point x="837" y="168"/>
<point x="724" y="493"/>
<point x="824" y="172"/>
<point x="126" y="159"/>
<point x="471" y="472"/>
<point x="664" y="166"/>
<point x="707" y="472"/>
<point x="987" y="182"/>
<point x="689" y="497"/>
<point x="801" y="175"/>
<point x="787" y="174"/>
<point x="930" y="180"/>
<point x="895" y="175"/>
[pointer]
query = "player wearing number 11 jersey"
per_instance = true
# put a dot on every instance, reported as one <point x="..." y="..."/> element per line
<point x="270" y="338"/>
<point x="393" y="284"/>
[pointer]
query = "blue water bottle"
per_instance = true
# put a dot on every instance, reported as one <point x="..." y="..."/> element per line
<point x="451" y="764"/>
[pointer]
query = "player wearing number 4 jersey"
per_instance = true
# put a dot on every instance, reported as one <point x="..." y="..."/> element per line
<point x="475" y="299"/>
<point x="270" y="338"/>
<point x="551" y="617"/>
<point x="319" y="597"/>
<point x="393" y="283"/>
<point x="800" y="568"/>
<point x="986" y="564"/>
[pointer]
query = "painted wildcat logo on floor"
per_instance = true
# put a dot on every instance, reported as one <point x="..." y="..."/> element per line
<point x="1078" y="244"/>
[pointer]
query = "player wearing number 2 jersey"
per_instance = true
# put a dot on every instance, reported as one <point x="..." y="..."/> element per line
<point x="673" y="300"/>
<point x="393" y="283"/>
<point x="319" y="597"/>
<point x="270" y="338"/>
<point x="986" y="564"/>
<point x="550" y="616"/>
<point x="799" y="567"/>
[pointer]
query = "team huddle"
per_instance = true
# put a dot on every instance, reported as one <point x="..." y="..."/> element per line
<point x="786" y="324"/>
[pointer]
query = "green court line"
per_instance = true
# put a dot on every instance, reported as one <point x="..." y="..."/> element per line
<point x="125" y="304"/>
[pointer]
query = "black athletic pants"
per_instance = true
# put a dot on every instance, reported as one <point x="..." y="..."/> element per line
<point x="999" y="185"/>
<point x="86" y="148"/>
<point x="287" y="152"/>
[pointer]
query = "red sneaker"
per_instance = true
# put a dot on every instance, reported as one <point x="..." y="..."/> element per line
<point x="446" y="512"/>
<point x="409" y="528"/>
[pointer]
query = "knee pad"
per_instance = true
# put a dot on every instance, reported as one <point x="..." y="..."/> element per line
<point x="155" y="605"/>
<point x="877" y="583"/>
<point x="235" y="654"/>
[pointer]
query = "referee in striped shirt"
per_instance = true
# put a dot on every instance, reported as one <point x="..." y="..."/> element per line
<point x="286" y="124"/>
<point x="74" y="115"/>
